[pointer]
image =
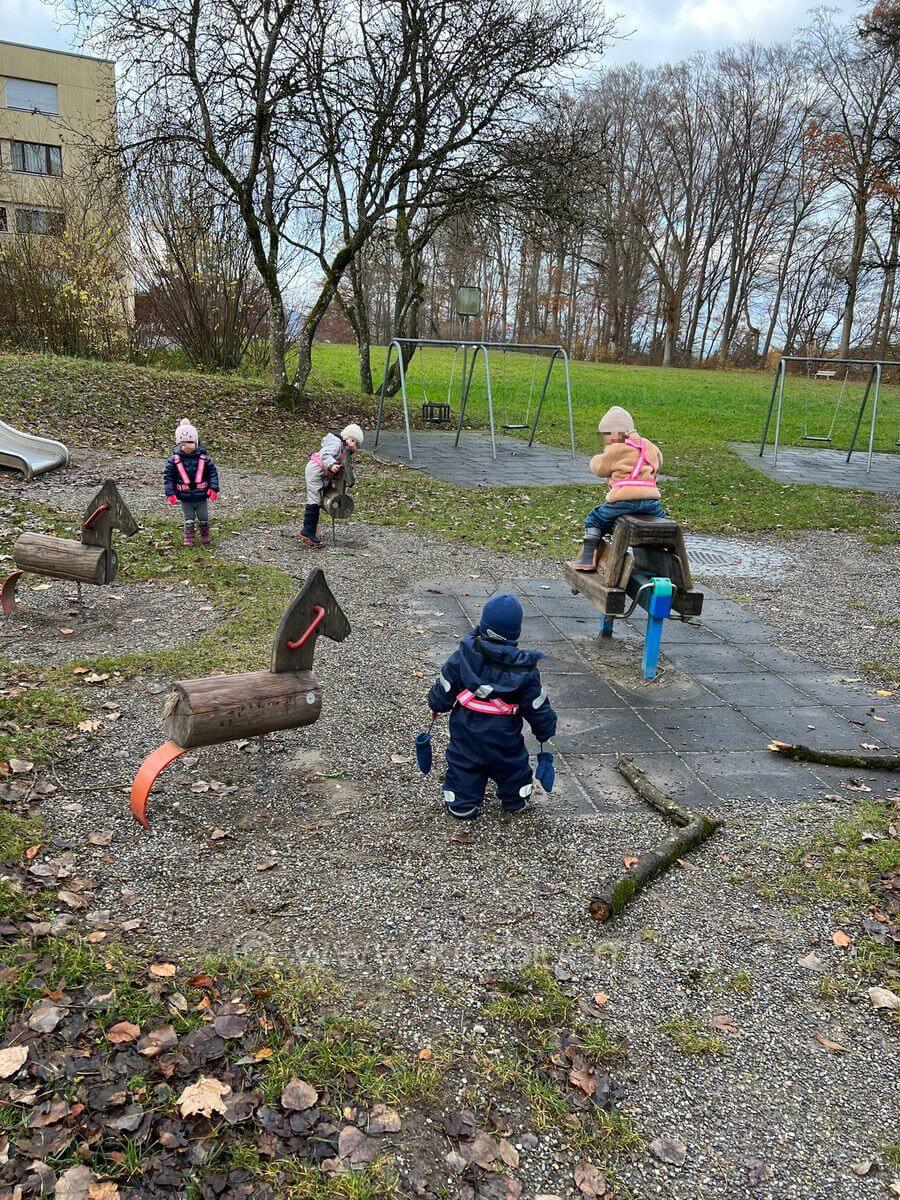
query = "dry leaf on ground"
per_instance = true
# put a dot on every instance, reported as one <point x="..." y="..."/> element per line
<point x="74" y="1184"/>
<point x="205" y="1097"/>
<point x="383" y="1120"/>
<point x="882" y="997"/>
<point x="354" y="1147"/>
<point x="298" y="1095"/>
<point x="12" y="1059"/>
<point x="162" y="970"/>
<point x="834" y="1047"/>
<point x="668" y="1150"/>
<point x="123" y="1032"/>
<point x="590" y="1180"/>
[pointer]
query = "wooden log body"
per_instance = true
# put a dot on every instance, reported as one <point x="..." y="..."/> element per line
<point x="220" y="708"/>
<point x="60" y="558"/>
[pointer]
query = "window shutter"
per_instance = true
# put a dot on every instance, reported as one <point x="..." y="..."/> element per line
<point x="31" y="95"/>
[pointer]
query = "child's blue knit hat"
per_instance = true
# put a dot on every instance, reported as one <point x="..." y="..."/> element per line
<point x="501" y="618"/>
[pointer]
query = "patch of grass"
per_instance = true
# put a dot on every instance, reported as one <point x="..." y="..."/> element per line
<point x="601" y="1047"/>
<point x="843" y="862"/>
<point x="835" y="987"/>
<point x="17" y="833"/>
<point x="32" y="718"/>
<point x="740" y="983"/>
<point x="890" y="1152"/>
<point x="691" y="1036"/>
<point x="533" y="1001"/>
<point x="348" y="1056"/>
<point x="294" y="1179"/>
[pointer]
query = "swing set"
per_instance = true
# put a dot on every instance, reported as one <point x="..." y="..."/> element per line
<point x="828" y="374"/>
<point x="499" y="387"/>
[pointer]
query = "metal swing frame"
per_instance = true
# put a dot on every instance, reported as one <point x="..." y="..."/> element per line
<point x="484" y="348"/>
<point x="876" y="366"/>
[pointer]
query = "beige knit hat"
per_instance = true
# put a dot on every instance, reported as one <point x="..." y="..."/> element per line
<point x="616" y="420"/>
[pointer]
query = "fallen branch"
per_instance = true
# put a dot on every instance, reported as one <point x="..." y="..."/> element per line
<point x="693" y="828"/>
<point x="837" y="758"/>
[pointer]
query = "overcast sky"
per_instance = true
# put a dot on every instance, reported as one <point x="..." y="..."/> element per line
<point x="663" y="30"/>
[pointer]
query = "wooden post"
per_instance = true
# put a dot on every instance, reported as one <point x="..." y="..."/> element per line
<point x="60" y="558"/>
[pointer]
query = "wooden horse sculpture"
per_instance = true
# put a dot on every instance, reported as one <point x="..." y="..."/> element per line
<point x="92" y="560"/>
<point x="222" y="708"/>
<point x="337" y="501"/>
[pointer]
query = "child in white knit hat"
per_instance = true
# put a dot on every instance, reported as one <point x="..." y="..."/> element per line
<point x="325" y="465"/>
<point x="192" y="480"/>
<point x="630" y="464"/>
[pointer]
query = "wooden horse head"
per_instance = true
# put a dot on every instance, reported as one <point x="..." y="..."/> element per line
<point x="106" y="512"/>
<point x="314" y="611"/>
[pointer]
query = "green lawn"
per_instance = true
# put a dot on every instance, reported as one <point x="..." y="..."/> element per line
<point x="693" y="415"/>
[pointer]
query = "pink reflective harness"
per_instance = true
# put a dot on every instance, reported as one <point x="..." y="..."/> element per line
<point x="316" y="458"/>
<point x="495" y="707"/>
<point x="200" y="484"/>
<point x="634" y="479"/>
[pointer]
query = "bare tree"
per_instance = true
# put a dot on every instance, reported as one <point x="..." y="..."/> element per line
<point x="194" y="268"/>
<point x="430" y="91"/>
<point x="221" y="82"/>
<point x="858" y="89"/>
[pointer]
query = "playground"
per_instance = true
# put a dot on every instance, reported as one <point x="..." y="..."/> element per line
<point x="720" y="1027"/>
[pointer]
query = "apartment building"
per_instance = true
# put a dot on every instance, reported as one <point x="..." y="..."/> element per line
<point x="50" y="102"/>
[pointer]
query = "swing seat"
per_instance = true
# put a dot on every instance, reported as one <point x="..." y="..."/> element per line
<point x="515" y="426"/>
<point x="808" y="437"/>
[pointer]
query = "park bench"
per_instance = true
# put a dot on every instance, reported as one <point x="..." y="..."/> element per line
<point x="825" y="374"/>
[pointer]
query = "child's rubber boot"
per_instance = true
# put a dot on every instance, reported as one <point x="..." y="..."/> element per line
<point x="518" y="803"/>
<point x="459" y="807"/>
<point x="310" y="522"/>
<point x="204" y="532"/>
<point x="189" y="536"/>
<point x="589" y="550"/>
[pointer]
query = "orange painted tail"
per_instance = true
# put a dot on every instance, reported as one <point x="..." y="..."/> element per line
<point x="148" y="773"/>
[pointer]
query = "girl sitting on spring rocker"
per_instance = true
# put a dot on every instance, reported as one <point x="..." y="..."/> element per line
<point x="489" y="686"/>
<point x="631" y="466"/>
<point x="324" y="466"/>
<point x="191" y="479"/>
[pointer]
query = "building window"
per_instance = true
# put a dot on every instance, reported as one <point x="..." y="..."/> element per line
<point x="31" y="95"/>
<point x="36" y="158"/>
<point x="40" y="220"/>
<point x="4" y="224"/>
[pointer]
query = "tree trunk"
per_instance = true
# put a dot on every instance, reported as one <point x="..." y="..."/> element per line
<point x="859" y="241"/>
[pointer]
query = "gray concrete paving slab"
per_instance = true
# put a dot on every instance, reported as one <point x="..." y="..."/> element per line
<point x="701" y="728"/>
<point x="471" y="465"/>
<point x="721" y="728"/>
<point x="828" y="467"/>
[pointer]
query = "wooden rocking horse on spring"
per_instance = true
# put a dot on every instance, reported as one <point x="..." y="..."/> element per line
<point x="92" y="560"/>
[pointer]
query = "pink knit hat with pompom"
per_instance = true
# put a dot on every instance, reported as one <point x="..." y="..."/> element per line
<point x="185" y="432"/>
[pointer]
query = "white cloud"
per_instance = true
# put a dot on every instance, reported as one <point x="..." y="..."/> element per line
<point x="663" y="32"/>
<point x="34" y="24"/>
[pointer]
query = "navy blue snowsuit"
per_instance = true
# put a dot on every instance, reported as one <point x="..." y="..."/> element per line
<point x="488" y="745"/>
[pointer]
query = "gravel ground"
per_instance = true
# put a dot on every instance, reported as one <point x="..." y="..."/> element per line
<point x="49" y="627"/>
<point x="140" y="481"/>
<point x="836" y="600"/>
<point x="348" y="860"/>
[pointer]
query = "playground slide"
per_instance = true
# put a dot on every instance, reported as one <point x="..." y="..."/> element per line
<point x="30" y="454"/>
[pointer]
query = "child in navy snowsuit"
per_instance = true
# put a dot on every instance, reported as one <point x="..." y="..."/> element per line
<point x="491" y="686"/>
<point x="191" y="478"/>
